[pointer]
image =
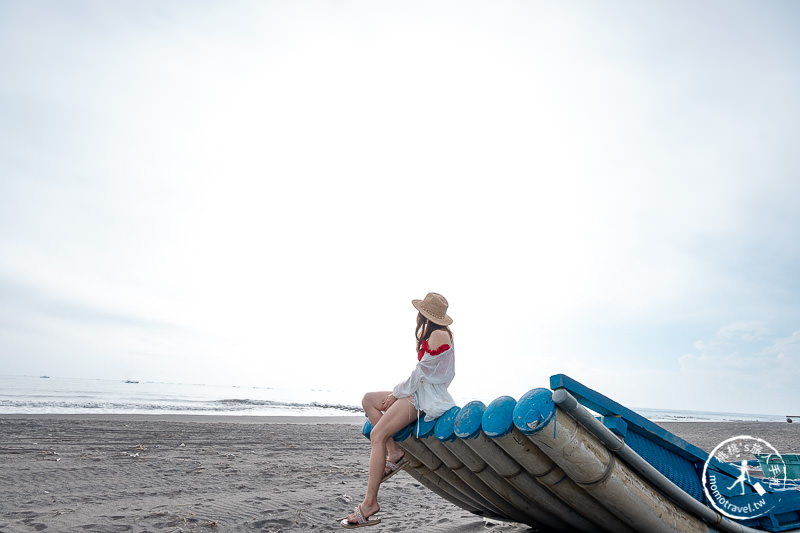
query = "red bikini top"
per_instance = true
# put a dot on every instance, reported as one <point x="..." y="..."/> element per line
<point x="424" y="348"/>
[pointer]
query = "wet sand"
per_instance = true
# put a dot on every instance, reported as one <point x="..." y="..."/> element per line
<point x="109" y="473"/>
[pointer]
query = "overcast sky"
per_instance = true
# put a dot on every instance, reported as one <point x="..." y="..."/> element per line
<point x="252" y="193"/>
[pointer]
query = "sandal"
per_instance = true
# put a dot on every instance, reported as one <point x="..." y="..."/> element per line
<point x="360" y="520"/>
<point x="395" y="467"/>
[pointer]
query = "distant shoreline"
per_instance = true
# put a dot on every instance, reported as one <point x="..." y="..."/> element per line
<point x="293" y="419"/>
<point x="215" y="418"/>
<point x="99" y="397"/>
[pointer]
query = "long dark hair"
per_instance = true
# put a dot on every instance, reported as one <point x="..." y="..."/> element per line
<point x="425" y="328"/>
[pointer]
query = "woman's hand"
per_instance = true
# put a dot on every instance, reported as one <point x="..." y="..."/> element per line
<point x="388" y="401"/>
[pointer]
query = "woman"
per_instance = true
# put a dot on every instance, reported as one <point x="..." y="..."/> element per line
<point x="424" y="392"/>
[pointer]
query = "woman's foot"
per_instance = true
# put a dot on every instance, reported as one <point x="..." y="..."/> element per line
<point x="391" y="463"/>
<point x="393" y="468"/>
<point x="354" y="520"/>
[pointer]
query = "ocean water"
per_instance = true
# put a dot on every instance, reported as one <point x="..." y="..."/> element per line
<point x="29" y="395"/>
<point x="45" y="395"/>
<point x="666" y="415"/>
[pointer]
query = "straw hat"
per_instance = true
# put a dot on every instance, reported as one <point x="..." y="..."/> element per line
<point x="434" y="308"/>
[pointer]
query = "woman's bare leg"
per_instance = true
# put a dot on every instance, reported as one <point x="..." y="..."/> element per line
<point x="399" y="415"/>
<point x="373" y="404"/>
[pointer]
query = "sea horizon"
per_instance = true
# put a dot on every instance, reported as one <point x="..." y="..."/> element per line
<point x="58" y="395"/>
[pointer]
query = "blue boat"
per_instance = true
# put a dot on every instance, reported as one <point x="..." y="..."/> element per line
<point x="548" y="462"/>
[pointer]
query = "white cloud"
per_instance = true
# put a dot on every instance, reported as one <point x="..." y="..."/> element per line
<point x="745" y="330"/>
<point x="758" y="367"/>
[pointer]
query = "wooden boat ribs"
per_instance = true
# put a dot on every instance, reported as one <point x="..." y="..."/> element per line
<point x="548" y="462"/>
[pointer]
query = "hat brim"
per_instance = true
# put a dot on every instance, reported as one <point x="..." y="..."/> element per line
<point x="446" y="321"/>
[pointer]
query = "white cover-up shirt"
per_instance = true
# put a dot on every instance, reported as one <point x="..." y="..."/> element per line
<point x="429" y="382"/>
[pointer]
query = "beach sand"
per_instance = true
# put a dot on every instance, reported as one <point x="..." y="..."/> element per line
<point x="110" y="473"/>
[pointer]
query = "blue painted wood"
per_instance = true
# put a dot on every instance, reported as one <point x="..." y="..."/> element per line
<point x="534" y="410"/>
<point x="445" y="429"/>
<point x="786" y="514"/>
<point x="784" y="517"/>
<point x="468" y="421"/>
<point x="498" y="420"/>
<point x="532" y="413"/>
<point x="606" y="406"/>
<point x="424" y="428"/>
<point x="616" y="424"/>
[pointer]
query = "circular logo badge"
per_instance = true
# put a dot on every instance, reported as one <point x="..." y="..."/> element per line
<point x="729" y="486"/>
